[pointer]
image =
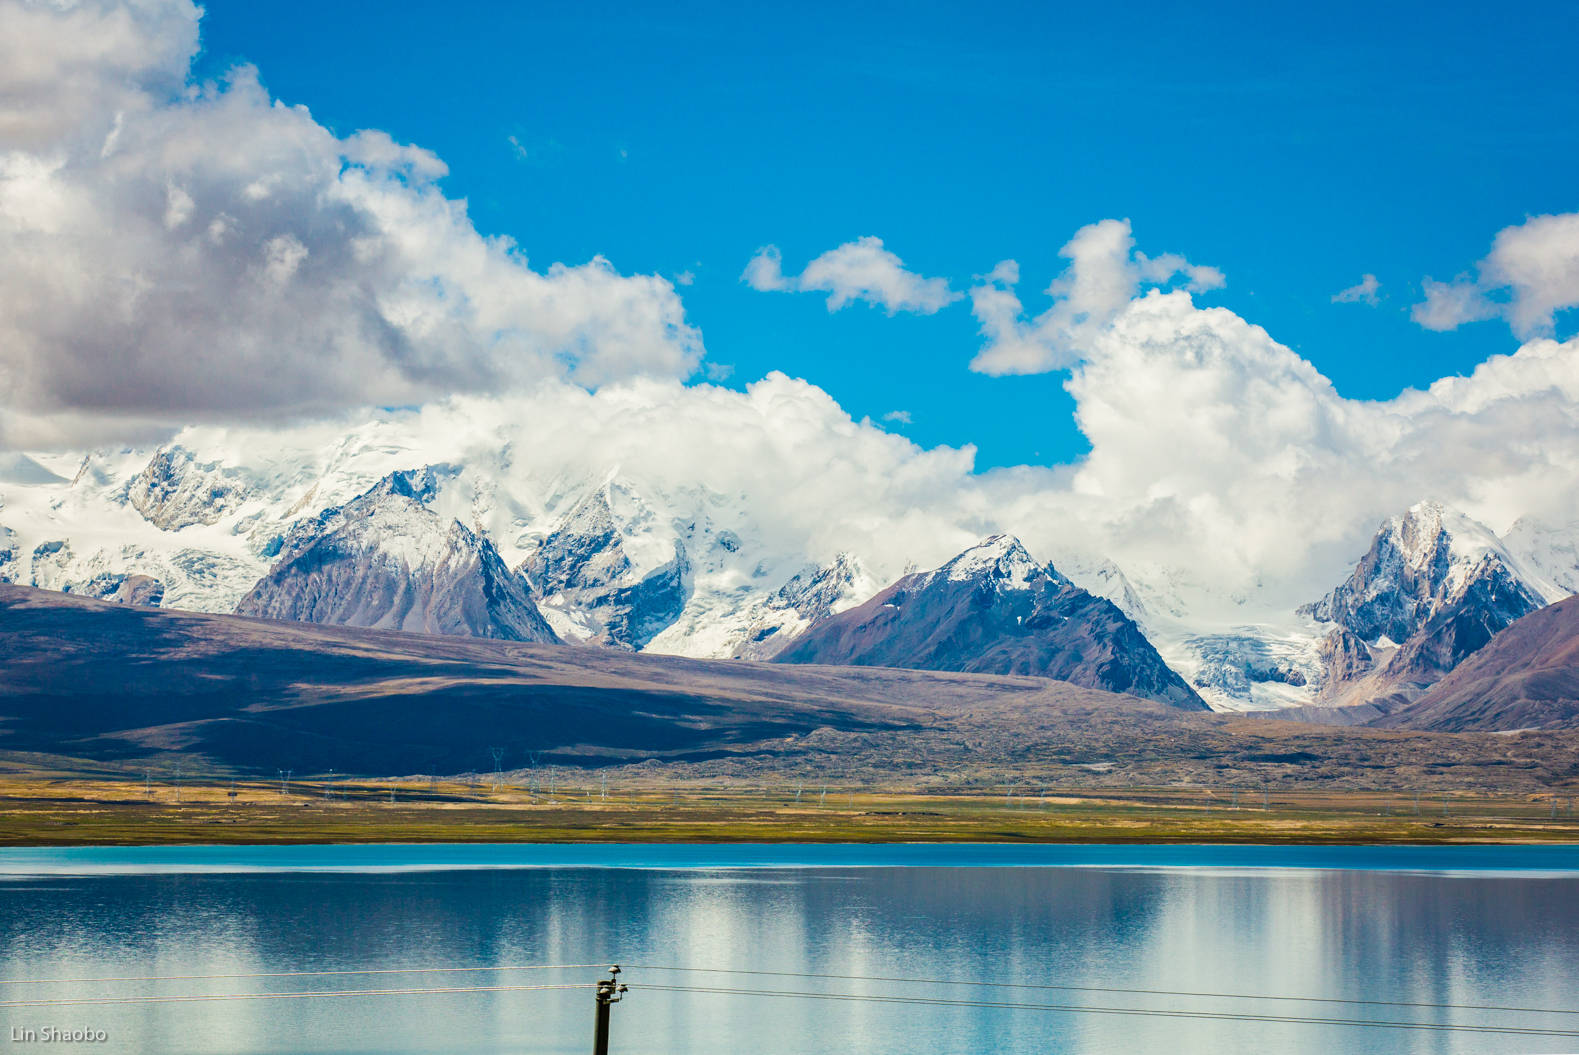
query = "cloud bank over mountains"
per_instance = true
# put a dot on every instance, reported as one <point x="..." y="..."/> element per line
<point x="176" y="253"/>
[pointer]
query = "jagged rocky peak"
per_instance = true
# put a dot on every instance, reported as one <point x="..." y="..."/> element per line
<point x="587" y="545"/>
<point x="818" y="592"/>
<point x="995" y="610"/>
<point x="1432" y="589"/>
<point x="176" y="491"/>
<point x="386" y="559"/>
<point x="612" y="571"/>
<point x="1429" y="557"/>
<point x="1000" y="560"/>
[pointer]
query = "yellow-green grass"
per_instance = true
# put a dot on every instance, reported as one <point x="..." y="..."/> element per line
<point x="38" y="811"/>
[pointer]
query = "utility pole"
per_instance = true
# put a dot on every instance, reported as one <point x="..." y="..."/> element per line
<point x="609" y="993"/>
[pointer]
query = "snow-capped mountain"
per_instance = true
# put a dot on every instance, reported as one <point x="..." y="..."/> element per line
<point x="995" y="609"/>
<point x="213" y="519"/>
<point x="1432" y="589"/>
<point x="388" y="560"/>
<point x="649" y="558"/>
<point x="1437" y="579"/>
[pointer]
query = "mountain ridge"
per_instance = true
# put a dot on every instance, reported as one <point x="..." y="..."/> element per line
<point x="994" y="609"/>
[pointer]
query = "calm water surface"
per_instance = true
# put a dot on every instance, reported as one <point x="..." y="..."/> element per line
<point x="1409" y="926"/>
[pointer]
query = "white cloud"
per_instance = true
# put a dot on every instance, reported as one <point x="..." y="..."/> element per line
<point x="1362" y="292"/>
<point x="1104" y="275"/>
<point x="898" y="417"/>
<point x="1213" y="446"/>
<point x="858" y="270"/>
<point x="175" y="251"/>
<point x="1531" y="273"/>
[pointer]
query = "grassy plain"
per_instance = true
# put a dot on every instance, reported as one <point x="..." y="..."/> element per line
<point x="65" y="810"/>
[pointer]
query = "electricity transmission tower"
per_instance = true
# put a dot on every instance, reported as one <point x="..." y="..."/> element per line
<point x="498" y="771"/>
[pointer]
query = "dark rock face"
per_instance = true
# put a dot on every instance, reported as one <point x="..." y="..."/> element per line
<point x="9" y="555"/>
<point x="640" y="613"/>
<point x="386" y="560"/>
<point x="175" y="491"/>
<point x="1525" y="677"/>
<point x="1345" y="655"/>
<point x="1433" y="589"/>
<point x="994" y="610"/>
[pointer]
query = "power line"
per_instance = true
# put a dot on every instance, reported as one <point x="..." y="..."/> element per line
<point x="1148" y="1012"/>
<point x="179" y="998"/>
<point x="793" y="974"/>
<point x="1105" y="989"/>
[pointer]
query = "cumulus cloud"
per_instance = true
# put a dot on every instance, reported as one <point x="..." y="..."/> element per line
<point x="1105" y="273"/>
<point x="1531" y="274"/>
<point x="1210" y="438"/>
<point x="1362" y="292"/>
<point x="858" y="270"/>
<point x="175" y="251"/>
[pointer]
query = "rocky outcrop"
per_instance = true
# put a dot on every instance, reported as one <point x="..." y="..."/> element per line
<point x="134" y="589"/>
<point x="176" y="491"/>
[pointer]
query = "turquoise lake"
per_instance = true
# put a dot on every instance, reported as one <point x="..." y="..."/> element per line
<point x="888" y="949"/>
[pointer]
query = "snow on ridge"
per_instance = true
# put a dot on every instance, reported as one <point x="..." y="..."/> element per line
<point x="1001" y="558"/>
<point x="1548" y="554"/>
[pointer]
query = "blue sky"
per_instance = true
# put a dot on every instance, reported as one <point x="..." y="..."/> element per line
<point x="1294" y="149"/>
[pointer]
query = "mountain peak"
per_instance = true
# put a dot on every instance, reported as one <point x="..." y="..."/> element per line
<point x="1433" y="587"/>
<point x="1002" y="559"/>
<point x="994" y="610"/>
